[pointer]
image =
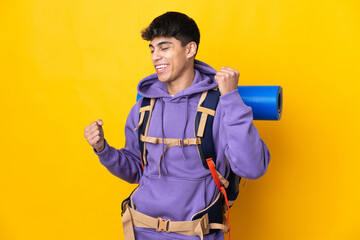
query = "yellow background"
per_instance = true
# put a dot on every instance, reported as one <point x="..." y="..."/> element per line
<point x="67" y="63"/>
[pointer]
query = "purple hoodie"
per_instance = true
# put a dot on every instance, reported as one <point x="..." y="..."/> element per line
<point x="185" y="186"/>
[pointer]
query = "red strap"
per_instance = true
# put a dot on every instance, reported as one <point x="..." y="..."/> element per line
<point x="213" y="172"/>
<point x="221" y="188"/>
<point x="228" y="209"/>
<point x="142" y="164"/>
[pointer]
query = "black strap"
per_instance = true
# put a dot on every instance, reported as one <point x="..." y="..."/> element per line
<point x="206" y="148"/>
<point x="141" y="130"/>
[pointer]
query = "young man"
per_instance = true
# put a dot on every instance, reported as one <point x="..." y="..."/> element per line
<point x="173" y="183"/>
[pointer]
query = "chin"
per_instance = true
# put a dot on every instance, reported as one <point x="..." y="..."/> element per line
<point x="163" y="78"/>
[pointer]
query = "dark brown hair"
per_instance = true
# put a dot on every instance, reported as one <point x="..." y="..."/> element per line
<point x="173" y="24"/>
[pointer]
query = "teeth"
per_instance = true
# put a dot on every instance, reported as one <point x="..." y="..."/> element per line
<point x="160" y="67"/>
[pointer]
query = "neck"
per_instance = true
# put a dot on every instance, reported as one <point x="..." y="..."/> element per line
<point x="183" y="82"/>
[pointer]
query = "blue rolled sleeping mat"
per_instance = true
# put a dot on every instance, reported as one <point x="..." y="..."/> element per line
<point x="266" y="101"/>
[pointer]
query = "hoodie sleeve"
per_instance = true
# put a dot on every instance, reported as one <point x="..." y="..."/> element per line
<point x="239" y="139"/>
<point x="125" y="163"/>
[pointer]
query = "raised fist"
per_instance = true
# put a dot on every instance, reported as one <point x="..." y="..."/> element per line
<point x="94" y="134"/>
<point x="227" y="79"/>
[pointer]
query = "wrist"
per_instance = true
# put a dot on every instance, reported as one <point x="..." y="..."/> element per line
<point x="100" y="148"/>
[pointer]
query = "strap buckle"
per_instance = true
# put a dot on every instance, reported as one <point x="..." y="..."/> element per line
<point x="163" y="225"/>
<point x="205" y="224"/>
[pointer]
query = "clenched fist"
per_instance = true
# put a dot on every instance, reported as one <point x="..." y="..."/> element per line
<point x="94" y="134"/>
<point x="227" y="79"/>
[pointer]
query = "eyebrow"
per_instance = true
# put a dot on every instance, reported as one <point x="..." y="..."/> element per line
<point x="161" y="43"/>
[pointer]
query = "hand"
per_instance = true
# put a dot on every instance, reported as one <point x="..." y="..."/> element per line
<point x="94" y="134"/>
<point x="227" y="79"/>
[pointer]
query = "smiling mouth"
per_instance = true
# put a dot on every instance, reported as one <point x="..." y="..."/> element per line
<point x="161" y="68"/>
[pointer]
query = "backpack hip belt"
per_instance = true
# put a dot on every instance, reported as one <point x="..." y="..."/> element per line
<point x="200" y="225"/>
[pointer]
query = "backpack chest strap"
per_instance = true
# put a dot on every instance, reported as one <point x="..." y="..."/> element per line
<point x="170" y="142"/>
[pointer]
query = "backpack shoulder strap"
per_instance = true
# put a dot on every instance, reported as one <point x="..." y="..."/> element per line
<point x="203" y="124"/>
<point x="203" y="129"/>
<point x="145" y="112"/>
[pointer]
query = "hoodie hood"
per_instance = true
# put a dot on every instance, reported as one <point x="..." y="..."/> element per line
<point x="151" y="87"/>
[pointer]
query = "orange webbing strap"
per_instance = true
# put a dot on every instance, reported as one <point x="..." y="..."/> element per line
<point x="220" y="187"/>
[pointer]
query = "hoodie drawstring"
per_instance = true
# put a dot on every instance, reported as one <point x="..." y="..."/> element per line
<point x="162" y="157"/>
<point x="183" y="135"/>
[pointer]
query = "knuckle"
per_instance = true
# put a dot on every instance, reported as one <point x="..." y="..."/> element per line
<point x="93" y="141"/>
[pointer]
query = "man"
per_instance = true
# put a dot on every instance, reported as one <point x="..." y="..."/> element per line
<point x="174" y="186"/>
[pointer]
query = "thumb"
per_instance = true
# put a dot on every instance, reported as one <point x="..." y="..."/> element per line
<point x="100" y="122"/>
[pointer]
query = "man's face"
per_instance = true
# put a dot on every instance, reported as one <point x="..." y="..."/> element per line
<point x="169" y="57"/>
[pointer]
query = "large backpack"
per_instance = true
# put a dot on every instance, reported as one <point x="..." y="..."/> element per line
<point x="228" y="187"/>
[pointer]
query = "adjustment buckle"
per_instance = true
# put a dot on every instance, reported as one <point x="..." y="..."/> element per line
<point x="204" y="223"/>
<point x="163" y="225"/>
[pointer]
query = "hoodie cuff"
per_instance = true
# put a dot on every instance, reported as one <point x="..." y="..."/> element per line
<point x="233" y="104"/>
<point x="104" y="151"/>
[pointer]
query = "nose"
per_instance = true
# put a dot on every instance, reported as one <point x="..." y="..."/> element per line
<point x="155" y="56"/>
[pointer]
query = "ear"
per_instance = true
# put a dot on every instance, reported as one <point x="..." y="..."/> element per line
<point x="191" y="48"/>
